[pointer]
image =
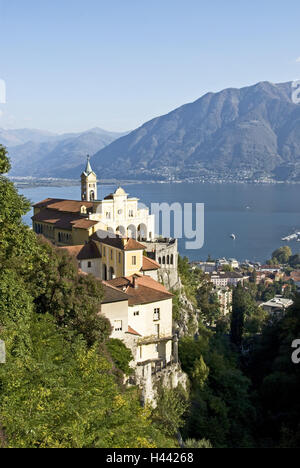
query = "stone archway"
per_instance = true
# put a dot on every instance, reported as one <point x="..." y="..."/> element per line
<point x="131" y="231"/>
<point x="142" y="231"/>
<point x="121" y="231"/>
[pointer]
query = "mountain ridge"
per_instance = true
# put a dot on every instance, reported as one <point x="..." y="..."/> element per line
<point x="252" y="129"/>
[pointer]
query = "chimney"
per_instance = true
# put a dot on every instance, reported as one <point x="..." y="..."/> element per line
<point x="135" y="282"/>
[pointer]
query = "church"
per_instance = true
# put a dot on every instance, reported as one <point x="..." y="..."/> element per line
<point x="114" y="240"/>
<point x="70" y="222"/>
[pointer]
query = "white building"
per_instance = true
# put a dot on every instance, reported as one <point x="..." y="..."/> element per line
<point x="277" y="305"/>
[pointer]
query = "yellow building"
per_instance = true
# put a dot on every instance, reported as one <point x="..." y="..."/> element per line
<point x="113" y="257"/>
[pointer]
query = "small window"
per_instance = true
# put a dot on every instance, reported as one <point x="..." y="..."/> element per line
<point x="156" y="315"/>
<point x="111" y="254"/>
<point x="89" y="264"/>
<point x="118" y="325"/>
<point x="104" y="251"/>
<point x="133" y="260"/>
<point x="136" y="313"/>
<point x="107" y="215"/>
<point x="120" y="212"/>
<point x="119" y="257"/>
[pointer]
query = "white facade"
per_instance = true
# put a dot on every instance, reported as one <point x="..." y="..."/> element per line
<point x="121" y="215"/>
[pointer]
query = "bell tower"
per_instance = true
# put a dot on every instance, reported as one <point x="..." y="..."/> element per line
<point x="88" y="183"/>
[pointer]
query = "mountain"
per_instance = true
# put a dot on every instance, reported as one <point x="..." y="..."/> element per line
<point x="20" y="136"/>
<point x="43" y="154"/>
<point x="253" y="132"/>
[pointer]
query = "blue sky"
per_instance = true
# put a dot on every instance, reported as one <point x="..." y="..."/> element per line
<point x="70" y="65"/>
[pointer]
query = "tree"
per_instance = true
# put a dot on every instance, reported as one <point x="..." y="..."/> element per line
<point x="121" y="355"/>
<point x="294" y="261"/>
<point x="282" y="255"/>
<point x="238" y="316"/>
<point x="4" y="161"/>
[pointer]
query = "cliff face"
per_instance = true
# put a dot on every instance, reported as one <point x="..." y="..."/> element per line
<point x="186" y="320"/>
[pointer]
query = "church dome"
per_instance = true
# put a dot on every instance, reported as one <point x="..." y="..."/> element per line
<point x="120" y="191"/>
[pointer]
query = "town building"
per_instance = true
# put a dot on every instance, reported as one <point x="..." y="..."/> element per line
<point x="276" y="305"/>
<point x="224" y="295"/>
<point x="227" y="278"/>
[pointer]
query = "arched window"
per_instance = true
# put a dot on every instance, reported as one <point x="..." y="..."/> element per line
<point x="159" y="260"/>
<point x="111" y="273"/>
<point x="164" y="260"/>
<point x="172" y="259"/>
<point x="104" y="272"/>
<point x="168" y="260"/>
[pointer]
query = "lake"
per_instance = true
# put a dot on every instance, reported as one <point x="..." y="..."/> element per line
<point x="259" y="215"/>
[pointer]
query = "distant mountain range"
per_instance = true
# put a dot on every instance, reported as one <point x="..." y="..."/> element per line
<point x="236" y="134"/>
<point x="253" y="132"/>
<point x="43" y="154"/>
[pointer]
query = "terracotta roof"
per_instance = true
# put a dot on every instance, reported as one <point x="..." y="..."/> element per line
<point x="112" y="294"/>
<point x="295" y="275"/>
<point x="147" y="290"/>
<point x="83" y="252"/>
<point x="133" y="332"/>
<point x="114" y="240"/>
<point x="68" y="206"/>
<point x="63" y="220"/>
<point x="149" y="264"/>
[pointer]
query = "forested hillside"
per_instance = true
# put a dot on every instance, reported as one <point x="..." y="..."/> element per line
<point x="244" y="385"/>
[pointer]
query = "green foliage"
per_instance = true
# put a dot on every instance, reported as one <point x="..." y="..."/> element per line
<point x="239" y="305"/>
<point x="221" y="410"/>
<point x="197" y="444"/>
<point x="294" y="261"/>
<point x="276" y="380"/>
<point x="171" y="407"/>
<point x="282" y="255"/>
<point x="58" y="387"/>
<point x="120" y="354"/>
<point x="4" y="161"/>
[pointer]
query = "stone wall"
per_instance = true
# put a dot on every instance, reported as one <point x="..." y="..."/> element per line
<point x="165" y="252"/>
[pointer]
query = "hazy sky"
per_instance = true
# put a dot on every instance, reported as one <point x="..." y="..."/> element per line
<point x="70" y="65"/>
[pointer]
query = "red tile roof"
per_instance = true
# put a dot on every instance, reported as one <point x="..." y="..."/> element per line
<point x="68" y="206"/>
<point x="149" y="264"/>
<point x="112" y="294"/>
<point x="141" y="289"/>
<point x="83" y="252"/>
<point x="63" y="220"/>
<point x="114" y="240"/>
<point x="131" y="331"/>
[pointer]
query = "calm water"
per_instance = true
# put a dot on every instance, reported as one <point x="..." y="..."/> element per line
<point x="259" y="215"/>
